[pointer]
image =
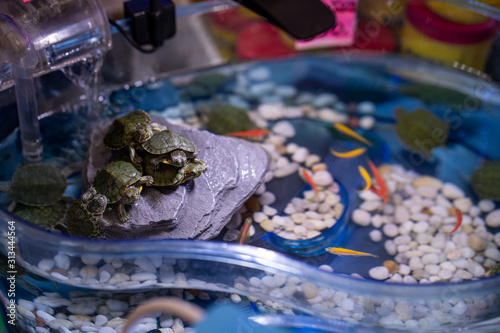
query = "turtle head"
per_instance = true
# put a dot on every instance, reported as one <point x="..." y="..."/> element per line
<point x="130" y="195"/>
<point x="97" y="205"/>
<point x="89" y="194"/>
<point x="178" y="158"/>
<point x="143" y="133"/>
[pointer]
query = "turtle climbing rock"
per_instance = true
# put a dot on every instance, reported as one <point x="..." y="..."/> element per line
<point x="129" y="131"/>
<point x="171" y="148"/>
<point x="121" y="183"/>
<point x="421" y="131"/>
<point x="169" y="175"/>
<point x="84" y="215"/>
<point x="80" y="222"/>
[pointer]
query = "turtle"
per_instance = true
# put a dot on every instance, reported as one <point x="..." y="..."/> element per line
<point x="485" y="180"/>
<point x="169" y="175"/>
<point x="84" y="215"/>
<point x="129" y="131"/>
<point x="421" y="131"/>
<point x="121" y="183"/>
<point x="225" y="119"/>
<point x="46" y="217"/>
<point x="39" y="184"/>
<point x="493" y="271"/>
<point x="80" y="222"/>
<point x="204" y="85"/>
<point x="171" y="148"/>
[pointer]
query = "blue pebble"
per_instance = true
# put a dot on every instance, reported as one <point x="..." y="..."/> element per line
<point x="172" y="112"/>
<point x="187" y="109"/>
<point x="271" y="99"/>
<point x="239" y="102"/>
<point x="305" y="98"/>
<point x="286" y="91"/>
<point x="340" y="106"/>
<point x="366" y="107"/>
<point x="261" y="89"/>
<point x="260" y="73"/>
<point x="325" y="100"/>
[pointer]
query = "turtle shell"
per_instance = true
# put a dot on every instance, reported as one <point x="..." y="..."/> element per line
<point x="169" y="175"/>
<point x="166" y="141"/>
<point x="165" y="174"/>
<point x="122" y="132"/>
<point x="80" y="222"/>
<point x="38" y="185"/>
<point x="421" y="131"/>
<point x="46" y="217"/>
<point x="115" y="178"/>
<point x="486" y="180"/>
<point x="227" y="119"/>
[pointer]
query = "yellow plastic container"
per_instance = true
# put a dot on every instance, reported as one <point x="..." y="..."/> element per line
<point x="432" y="36"/>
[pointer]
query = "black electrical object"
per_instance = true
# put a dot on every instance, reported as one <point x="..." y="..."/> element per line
<point x="303" y="19"/>
<point x="151" y="21"/>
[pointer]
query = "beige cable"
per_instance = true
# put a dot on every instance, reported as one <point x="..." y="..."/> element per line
<point x="175" y="306"/>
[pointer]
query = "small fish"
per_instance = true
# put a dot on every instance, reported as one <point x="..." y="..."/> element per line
<point x="366" y="177"/>
<point x="380" y="180"/>
<point x="346" y="130"/>
<point x="309" y="179"/>
<point x="346" y="252"/>
<point x="244" y="235"/>
<point x="348" y="154"/>
<point x="250" y="133"/>
<point x="459" y="221"/>
<point x="379" y="192"/>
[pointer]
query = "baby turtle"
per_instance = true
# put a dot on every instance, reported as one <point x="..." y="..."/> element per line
<point x="169" y="175"/>
<point x="84" y="215"/>
<point x="421" y="131"/>
<point x="37" y="184"/>
<point x="129" y="131"/>
<point x="80" y="222"/>
<point x="227" y="119"/>
<point x="121" y="182"/>
<point x="486" y="180"/>
<point x="171" y="148"/>
<point x="493" y="271"/>
<point x="205" y="85"/>
<point x="47" y="217"/>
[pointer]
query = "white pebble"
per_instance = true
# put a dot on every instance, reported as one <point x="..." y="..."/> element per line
<point x="300" y="155"/>
<point x="284" y="128"/>
<point x="100" y="320"/>
<point x="62" y="261"/>
<point x="46" y="264"/>
<point x="269" y="211"/>
<point x="486" y="205"/>
<point x="361" y="217"/>
<point x="322" y="178"/>
<point x="492" y="253"/>
<point x="452" y="191"/>
<point x="421" y="227"/>
<point x="379" y="273"/>
<point x="493" y="219"/>
<point x="367" y="122"/>
<point x="267" y="198"/>
<point x="390" y="230"/>
<point x="401" y="214"/>
<point x="375" y="235"/>
<point x="106" y="330"/>
<point x="427" y="192"/>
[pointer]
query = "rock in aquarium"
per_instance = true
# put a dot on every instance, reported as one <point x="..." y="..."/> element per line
<point x="231" y="171"/>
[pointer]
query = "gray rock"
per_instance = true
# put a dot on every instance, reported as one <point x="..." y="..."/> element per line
<point x="235" y="169"/>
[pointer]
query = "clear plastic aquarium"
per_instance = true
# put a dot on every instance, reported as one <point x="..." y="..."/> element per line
<point x="370" y="178"/>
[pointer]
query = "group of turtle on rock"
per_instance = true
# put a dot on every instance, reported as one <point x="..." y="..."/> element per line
<point x="156" y="156"/>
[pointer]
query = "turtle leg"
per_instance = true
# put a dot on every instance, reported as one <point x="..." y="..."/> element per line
<point x="147" y="180"/>
<point x="136" y="159"/>
<point x="155" y="161"/>
<point x="122" y="213"/>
